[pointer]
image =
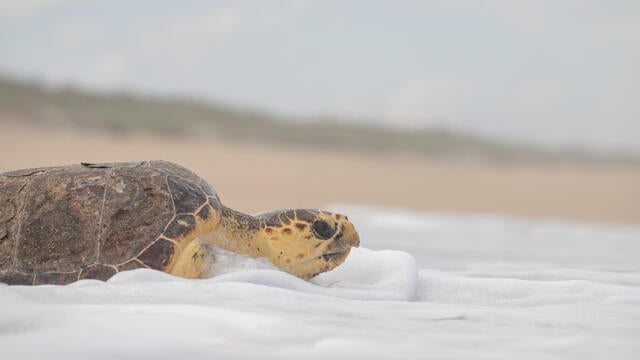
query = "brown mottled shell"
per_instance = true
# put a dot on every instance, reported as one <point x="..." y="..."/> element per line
<point x="61" y="224"/>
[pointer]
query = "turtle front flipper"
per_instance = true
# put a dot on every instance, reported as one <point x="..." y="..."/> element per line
<point x="193" y="262"/>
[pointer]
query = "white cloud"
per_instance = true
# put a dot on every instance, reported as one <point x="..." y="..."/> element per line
<point x="427" y="99"/>
<point x="78" y="34"/>
<point x="17" y="9"/>
<point x="173" y="44"/>
<point x="103" y="59"/>
<point x="209" y="25"/>
<point x="185" y="40"/>
<point x="110" y="70"/>
<point x="526" y="16"/>
<point x="623" y="29"/>
<point x="286" y="15"/>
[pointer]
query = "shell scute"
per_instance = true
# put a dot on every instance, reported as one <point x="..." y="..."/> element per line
<point x="170" y="168"/>
<point x="137" y="207"/>
<point x="204" y="214"/>
<point x="12" y="195"/>
<point x="187" y="198"/>
<point x="56" y="278"/>
<point x="16" y="278"/>
<point x="58" y="228"/>
<point x="131" y="265"/>
<point x="180" y="226"/>
<point x="98" y="271"/>
<point x="159" y="254"/>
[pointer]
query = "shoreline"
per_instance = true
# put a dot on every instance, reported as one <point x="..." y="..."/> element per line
<point x="255" y="177"/>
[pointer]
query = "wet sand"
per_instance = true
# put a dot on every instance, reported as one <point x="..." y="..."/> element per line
<point x="256" y="177"/>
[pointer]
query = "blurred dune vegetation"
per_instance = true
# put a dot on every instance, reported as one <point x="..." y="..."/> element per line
<point x="30" y="102"/>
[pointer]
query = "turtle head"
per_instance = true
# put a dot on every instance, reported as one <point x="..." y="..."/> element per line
<point x="306" y="242"/>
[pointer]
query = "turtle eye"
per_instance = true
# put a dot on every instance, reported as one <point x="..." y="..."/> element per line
<point x="323" y="230"/>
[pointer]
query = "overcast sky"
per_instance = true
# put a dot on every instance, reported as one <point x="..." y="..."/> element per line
<point x="548" y="71"/>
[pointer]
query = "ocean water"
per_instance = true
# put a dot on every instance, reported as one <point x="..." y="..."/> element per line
<point x="422" y="286"/>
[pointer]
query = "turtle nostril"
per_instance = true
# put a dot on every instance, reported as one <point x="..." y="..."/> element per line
<point x="328" y="257"/>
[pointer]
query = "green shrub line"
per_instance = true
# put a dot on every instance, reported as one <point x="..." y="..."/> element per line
<point x="128" y="113"/>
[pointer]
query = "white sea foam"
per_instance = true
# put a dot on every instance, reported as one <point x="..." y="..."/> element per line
<point x="422" y="286"/>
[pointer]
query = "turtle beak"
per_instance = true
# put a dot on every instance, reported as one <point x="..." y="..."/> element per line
<point x="334" y="254"/>
<point x="343" y="242"/>
<point x="350" y="237"/>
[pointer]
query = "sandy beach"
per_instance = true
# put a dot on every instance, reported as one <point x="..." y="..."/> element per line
<point x="257" y="177"/>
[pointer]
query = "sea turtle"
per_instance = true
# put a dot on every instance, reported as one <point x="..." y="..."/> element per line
<point x="61" y="224"/>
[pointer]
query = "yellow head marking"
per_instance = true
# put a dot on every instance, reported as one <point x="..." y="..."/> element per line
<point x="306" y="242"/>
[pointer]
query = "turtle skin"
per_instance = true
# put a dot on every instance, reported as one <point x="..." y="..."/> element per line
<point x="62" y="224"/>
